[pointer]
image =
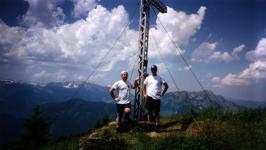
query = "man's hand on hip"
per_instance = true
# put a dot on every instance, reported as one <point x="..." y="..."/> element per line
<point x="117" y="99"/>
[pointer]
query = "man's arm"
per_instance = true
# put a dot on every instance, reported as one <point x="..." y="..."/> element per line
<point x="144" y="91"/>
<point x="135" y="83"/>
<point x="165" y="88"/>
<point x="111" y="92"/>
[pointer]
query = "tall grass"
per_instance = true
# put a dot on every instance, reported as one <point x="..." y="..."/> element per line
<point x="244" y="129"/>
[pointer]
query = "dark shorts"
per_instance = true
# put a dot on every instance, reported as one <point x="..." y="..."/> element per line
<point x="153" y="105"/>
<point x="120" y="108"/>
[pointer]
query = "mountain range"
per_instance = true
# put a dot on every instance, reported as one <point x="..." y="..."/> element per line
<point x="74" y="107"/>
<point x="181" y="102"/>
<point x="75" y="116"/>
<point x="17" y="100"/>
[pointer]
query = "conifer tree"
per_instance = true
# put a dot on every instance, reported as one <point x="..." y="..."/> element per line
<point x="36" y="130"/>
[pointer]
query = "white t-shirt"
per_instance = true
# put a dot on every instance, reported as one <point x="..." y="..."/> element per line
<point x="154" y="86"/>
<point x="123" y="91"/>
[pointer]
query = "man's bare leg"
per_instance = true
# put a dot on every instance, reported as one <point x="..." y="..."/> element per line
<point x="118" y="120"/>
<point x="157" y="119"/>
<point x="127" y="113"/>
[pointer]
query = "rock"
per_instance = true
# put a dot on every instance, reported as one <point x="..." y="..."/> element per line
<point x="113" y="123"/>
<point x="153" y="134"/>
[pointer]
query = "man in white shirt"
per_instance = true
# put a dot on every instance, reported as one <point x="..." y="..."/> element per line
<point x="152" y="91"/>
<point x="122" y="97"/>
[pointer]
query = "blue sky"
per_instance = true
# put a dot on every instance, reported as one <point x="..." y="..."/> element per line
<point x="224" y="42"/>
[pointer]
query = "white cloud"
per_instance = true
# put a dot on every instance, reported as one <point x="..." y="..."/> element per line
<point x="230" y="80"/>
<point x="43" y="13"/>
<point x="81" y="45"/>
<point x="256" y="69"/>
<point x="187" y="24"/>
<point x="259" y="53"/>
<point x="9" y="37"/>
<point x="216" y="79"/>
<point x="47" y="13"/>
<point x="85" y="41"/>
<point x="82" y="7"/>
<point x="219" y="56"/>
<point x="180" y="26"/>
<point x="204" y="51"/>
<point x="186" y="68"/>
<point x="237" y="51"/>
<point x="207" y="52"/>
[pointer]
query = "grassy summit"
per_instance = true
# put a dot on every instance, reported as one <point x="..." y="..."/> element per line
<point x="245" y="129"/>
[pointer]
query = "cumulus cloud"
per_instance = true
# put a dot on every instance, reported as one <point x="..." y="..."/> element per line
<point x="48" y="13"/>
<point x="9" y="37"/>
<point x="204" y="52"/>
<point x="83" y="43"/>
<point x="230" y="79"/>
<point x="256" y="69"/>
<point x="259" y="53"/>
<point x="75" y="43"/>
<point x="82" y="7"/>
<point x="180" y="26"/>
<point x="43" y="13"/>
<point x="207" y="52"/>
